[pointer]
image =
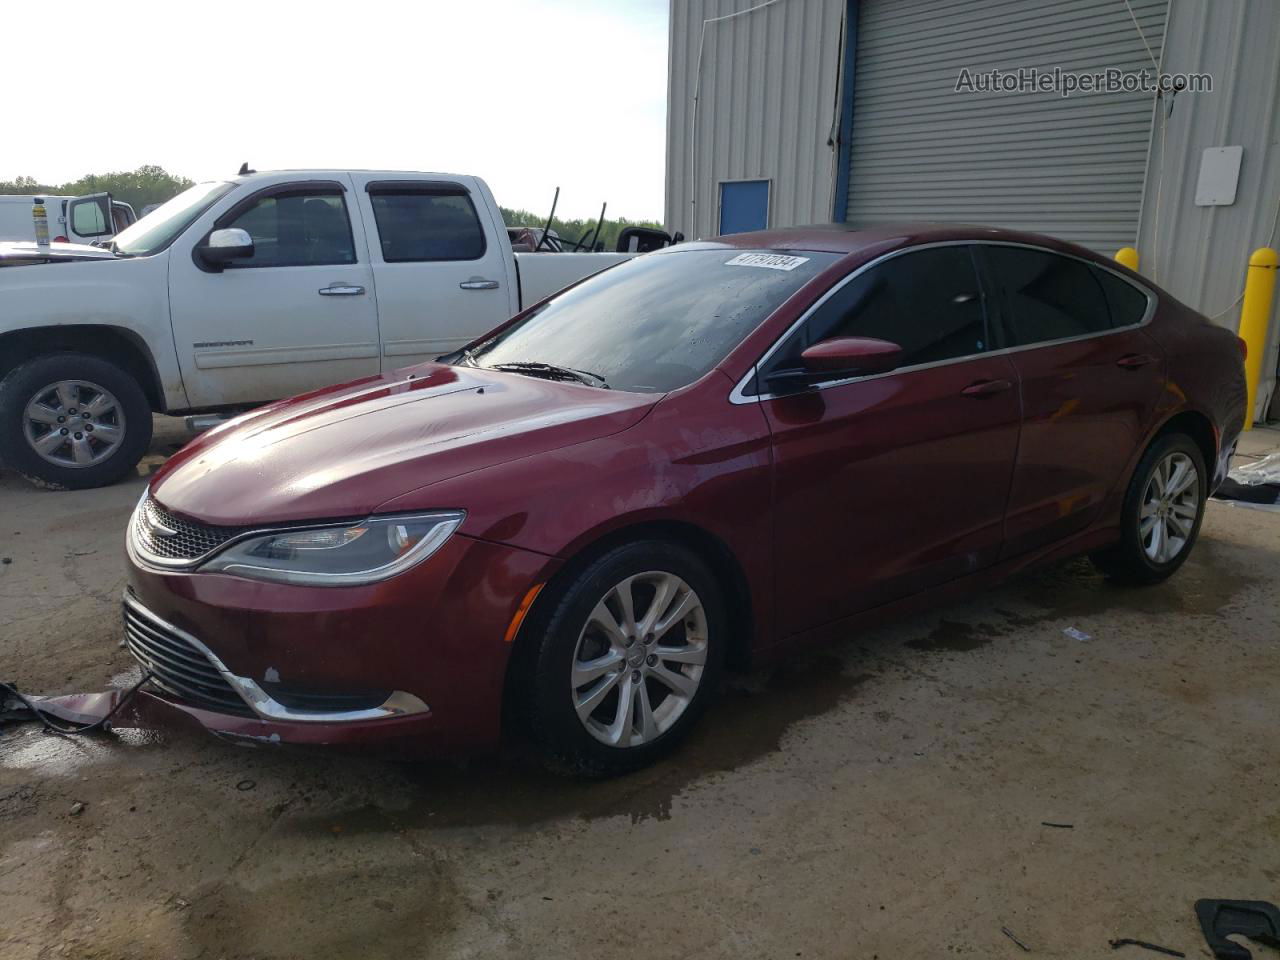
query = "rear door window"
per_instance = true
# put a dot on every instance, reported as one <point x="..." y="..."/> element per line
<point x="1047" y="296"/>
<point x="1128" y="304"/>
<point x="418" y="224"/>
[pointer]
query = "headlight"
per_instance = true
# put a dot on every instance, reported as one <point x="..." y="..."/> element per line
<point x="339" y="556"/>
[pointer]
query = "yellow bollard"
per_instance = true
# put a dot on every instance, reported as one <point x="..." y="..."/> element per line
<point x="1255" y="315"/>
<point x="1128" y="257"/>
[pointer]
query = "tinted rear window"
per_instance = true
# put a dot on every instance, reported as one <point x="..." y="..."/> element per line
<point x="1050" y="297"/>
<point x="415" y="226"/>
<point x="660" y="321"/>
<point x="1127" y="303"/>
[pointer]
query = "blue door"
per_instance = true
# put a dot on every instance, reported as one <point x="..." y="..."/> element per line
<point x="744" y="205"/>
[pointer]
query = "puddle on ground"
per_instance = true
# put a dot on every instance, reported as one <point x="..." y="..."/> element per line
<point x="27" y="746"/>
<point x="1205" y="585"/>
<point x="956" y="636"/>
<point x="750" y="721"/>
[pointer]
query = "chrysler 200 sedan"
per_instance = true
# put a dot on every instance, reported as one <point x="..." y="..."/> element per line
<point x="705" y="456"/>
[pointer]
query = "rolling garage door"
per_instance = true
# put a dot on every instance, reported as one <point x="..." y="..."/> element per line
<point x="1071" y="166"/>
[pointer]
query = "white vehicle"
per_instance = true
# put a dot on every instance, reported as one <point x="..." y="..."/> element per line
<point x="246" y="290"/>
<point x="94" y="217"/>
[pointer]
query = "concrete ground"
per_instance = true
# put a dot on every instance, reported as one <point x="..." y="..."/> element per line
<point x="907" y="793"/>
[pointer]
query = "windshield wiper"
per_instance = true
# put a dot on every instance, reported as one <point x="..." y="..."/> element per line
<point x="549" y="371"/>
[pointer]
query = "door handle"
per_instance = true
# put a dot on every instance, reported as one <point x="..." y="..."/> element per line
<point x="1132" y="361"/>
<point x="986" y="388"/>
<point x="479" y="285"/>
<point x="341" y="290"/>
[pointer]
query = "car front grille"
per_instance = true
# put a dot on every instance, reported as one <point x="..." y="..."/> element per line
<point x="177" y="666"/>
<point x="159" y="534"/>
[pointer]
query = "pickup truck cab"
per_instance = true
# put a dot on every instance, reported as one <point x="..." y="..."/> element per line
<point x="246" y="290"/>
<point x="93" y="217"/>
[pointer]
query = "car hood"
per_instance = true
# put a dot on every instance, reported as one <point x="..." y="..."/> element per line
<point x="28" y="250"/>
<point x="343" y="451"/>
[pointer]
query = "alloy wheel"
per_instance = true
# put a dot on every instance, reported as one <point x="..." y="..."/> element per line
<point x="74" y="423"/>
<point x="639" y="659"/>
<point x="1170" y="506"/>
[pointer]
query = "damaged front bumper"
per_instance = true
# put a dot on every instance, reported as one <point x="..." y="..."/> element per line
<point x="181" y="665"/>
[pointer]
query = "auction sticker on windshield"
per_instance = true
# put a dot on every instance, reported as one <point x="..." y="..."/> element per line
<point x="771" y="261"/>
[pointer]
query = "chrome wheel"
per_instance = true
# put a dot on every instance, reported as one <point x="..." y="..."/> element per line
<point x="1170" y="506"/>
<point x="74" y="423"/>
<point x="639" y="659"/>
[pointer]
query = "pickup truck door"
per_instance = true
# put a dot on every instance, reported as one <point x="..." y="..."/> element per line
<point x="296" y="315"/>
<point x="442" y="266"/>
<point x="89" y="218"/>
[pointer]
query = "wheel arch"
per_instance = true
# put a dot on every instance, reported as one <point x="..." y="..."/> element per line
<point x="1199" y="428"/>
<point x="719" y="558"/>
<point x="118" y="345"/>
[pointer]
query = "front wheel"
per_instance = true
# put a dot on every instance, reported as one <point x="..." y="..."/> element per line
<point x="1162" y="512"/>
<point x="72" y="421"/>
<point x="629" y="656"/>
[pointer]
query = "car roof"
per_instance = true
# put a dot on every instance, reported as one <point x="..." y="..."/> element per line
<point x="844" y="238"/>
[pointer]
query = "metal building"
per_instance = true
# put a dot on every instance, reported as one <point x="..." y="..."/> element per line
<point x="783" y="112"/>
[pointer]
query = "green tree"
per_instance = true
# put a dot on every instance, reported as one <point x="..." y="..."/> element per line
<point x="147" y="184"/>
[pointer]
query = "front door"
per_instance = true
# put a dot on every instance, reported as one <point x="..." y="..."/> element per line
<point x="889" y="484"/>
<point x="298" y="314"/>
<point x="1091" y="378"/>
<point x="441" y="283"/>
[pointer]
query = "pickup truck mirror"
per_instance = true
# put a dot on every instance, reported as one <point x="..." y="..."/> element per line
<point x="223" y="246"/>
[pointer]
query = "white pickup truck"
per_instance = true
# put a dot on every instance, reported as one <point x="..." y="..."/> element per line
<point x="242" y="291"/>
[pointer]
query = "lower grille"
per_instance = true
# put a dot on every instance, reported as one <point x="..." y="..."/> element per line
<point x="178" y="667"/>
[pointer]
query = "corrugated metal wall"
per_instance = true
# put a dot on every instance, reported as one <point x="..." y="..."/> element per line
<point x="767" y="108"/>
<point x="1199" y="254"/>
<point x="1071" y="167"/>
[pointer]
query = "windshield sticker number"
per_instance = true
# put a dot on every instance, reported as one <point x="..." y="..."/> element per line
<point x="770" y="261"/>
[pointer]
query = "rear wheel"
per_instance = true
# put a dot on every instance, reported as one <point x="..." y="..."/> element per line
<point x="1162" y="513"/>
<point x="629" y="657"/>
<point x="73" y="421"/>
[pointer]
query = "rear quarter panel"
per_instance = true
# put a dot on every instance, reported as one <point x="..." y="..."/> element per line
<point x="1205" y="373"/>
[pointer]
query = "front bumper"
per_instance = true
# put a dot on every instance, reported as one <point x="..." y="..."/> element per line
<point x="339" y="665"/>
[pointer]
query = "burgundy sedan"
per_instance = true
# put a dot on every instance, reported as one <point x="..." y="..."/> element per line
<point x="704" y="456"/>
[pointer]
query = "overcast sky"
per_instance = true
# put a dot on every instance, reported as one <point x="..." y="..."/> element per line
<point x="529" y="94"/>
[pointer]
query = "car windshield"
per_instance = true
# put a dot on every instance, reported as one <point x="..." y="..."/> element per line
<point x="158" y="229"/>
<point x="655" y="323"/>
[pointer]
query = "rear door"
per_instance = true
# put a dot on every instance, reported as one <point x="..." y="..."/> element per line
<point x="1090" y="378"/>
<point x="297" y="315"/>
<point x="441" y="275"/>
<point x="886" y="485"/>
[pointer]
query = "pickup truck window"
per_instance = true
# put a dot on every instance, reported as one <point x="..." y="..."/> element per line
<point x="416" y="226"/>
<point x="161" y="226"/>
<point x="303" y="229"/>
<point x="655" y="323"/>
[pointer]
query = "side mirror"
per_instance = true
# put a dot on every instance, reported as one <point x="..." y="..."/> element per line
<point x="835" y="359"/>
<point x="225" y="245"/>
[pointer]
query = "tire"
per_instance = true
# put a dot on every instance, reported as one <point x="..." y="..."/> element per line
<point x="573" y="631"/>
<point x="104" y="439"/>
<point x="1133" y="560"/>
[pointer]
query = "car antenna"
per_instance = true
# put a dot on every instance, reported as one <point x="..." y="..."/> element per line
<point x="546" y="231"/>
<point x="244" y="170"/>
